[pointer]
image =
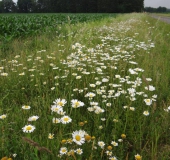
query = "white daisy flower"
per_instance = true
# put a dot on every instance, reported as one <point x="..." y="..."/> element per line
<point x="146" y="113"/>
<point x="90" y="109"/>
<point x="56" y="120"/>
<point x="113" y="158"/>
<point x="92" y="85"/>
<point x="150" y="88"/>
<point x="98" y="83"/>
<point x="4" y="74"/>
<point x="78" y="77"/>
<point x="109" y="153"/>
<point x="76" y="104"/>
<point x="148" y="79"/>
<point x="78" y="137"/>
<point x="3" y="116"/>
<point x="28" y="128"/>
<point x="103" y="119"/>
<point x="117" y="76"/>
<point x="108" y="104"/>
<point x="100" y="127"/>
<point x="79" y="151"/>
<point x="33" y="118"/>
<point x="132" y="71"/>
<point x="148" y="102"/>
<point x="114" y="143"/>
<point x="101" y="144"/>
<point x="94" y="103"/>
<point x="120" y="140"/>
<point x="132" y="108"/>
<point x="154" y="96"/>
<point x="60" y="102"/>
<point x="105" y="80"/>
<point x="57" y="109"/>
<point x="63" y="150"/>
<point x="14" y="155"/>
<point x="138" y="157"/>
<point x="26" y="107"/>
<point x="90" y="95"/>
<point x="50" y="136"/>
<point x="66" y="119"/>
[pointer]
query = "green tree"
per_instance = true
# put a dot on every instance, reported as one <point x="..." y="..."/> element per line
<point x="69" y="6"/>
<point x="81" y="6"/>
<point x="1" y="7"/>
<point x="110" y="6"/>
<point x="101" y="6"/>
<point x="25" y="6"/>
<point x="92" y="6"/>
<point x="77" y="6"/>
<point x="161" y="9"/>
<point x="137" y="6"/>
<point x="41" y="6"/>
<point x="130" y="6"/>
<point x="8" y="6"/>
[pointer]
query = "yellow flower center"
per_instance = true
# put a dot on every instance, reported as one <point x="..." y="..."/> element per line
<point x="51" y="136"/>
<point x="3" y="116"/>
<point x="28" y="128"/>
<point x="33" y="119"/>
<point x="56" y="109"/>
<point x="90" y="95"/>
<point x="77" y="137"/>
<point x="138" y="157"/>
<point x="64" y="150"/>
<point x="66" y="119"/>
<point x="60" y="103"/>
<point x="79" y="151"/>
<point x="77" y="103"/>
<point x="146" y="112"/>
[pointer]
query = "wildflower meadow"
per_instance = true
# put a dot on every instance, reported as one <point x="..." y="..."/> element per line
<point x="95" y="90"/>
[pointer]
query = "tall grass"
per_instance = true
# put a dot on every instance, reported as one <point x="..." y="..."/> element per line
<point x="97" y="90"/>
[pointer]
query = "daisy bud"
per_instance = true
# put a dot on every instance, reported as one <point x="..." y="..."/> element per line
<point x="63" y="141"/>
<point x="109" y="147"/>
<point x="123" y="136"/>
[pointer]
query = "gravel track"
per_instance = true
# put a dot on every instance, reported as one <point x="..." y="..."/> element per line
<point x="161" y="18"/>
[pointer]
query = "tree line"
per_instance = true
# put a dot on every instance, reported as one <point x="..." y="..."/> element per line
<point x="156" y="10"/>
<point x="71" y="6"/>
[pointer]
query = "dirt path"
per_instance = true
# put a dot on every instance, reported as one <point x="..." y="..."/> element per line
<point x="161" y="18"/>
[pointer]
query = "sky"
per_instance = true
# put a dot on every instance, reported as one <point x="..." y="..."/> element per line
<point x="152" y="3"/>
<point x="157" y="3"/>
